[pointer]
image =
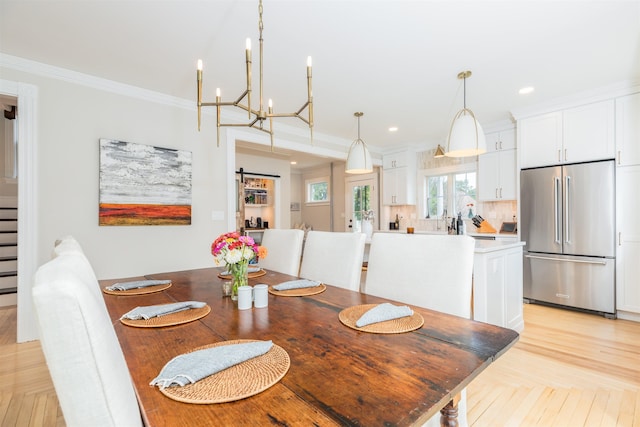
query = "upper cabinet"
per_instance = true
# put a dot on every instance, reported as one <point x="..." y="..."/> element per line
<point x="504" y="140"/>
<point x="497" y="175"/>
<point x="497" y="167"/>
<point x="400" y="159"/>
<point x="399" y="178"/>
<point x="628" y="130"/>
<point x="578" y="134"/>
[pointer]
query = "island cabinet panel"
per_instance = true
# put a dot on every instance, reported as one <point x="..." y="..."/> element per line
<point x="497" y="285"/>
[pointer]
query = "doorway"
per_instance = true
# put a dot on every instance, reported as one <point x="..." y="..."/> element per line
<point x="361" y="204"/>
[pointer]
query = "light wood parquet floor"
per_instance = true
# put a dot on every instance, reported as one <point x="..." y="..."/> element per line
<point x="569" y="369"/>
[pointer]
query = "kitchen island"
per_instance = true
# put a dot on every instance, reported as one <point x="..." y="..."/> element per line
<point x="497" y="281"/>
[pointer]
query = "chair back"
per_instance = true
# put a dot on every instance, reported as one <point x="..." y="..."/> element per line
<point x="333" y="258"/>
<point x="82" y="351"/>
<point x="68" y="245"/>
<point x="430" y="271"/>
<point x="284" y="248"/>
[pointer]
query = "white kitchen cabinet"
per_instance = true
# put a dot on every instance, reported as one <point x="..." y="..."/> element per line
<point x="539" y="139"/>
<point x="398" y="187"/>
<point x="497" y="284"/>
<point x="503" y="140"/>
<point x="588" y="132"/>
<point x="628" y="130"/>
<point x="578" y="134"/>
<point x="497" y="175"/>
<point x="628" y="249"/>
<point x="398" y="160"/>
<point x="399" y="178"/>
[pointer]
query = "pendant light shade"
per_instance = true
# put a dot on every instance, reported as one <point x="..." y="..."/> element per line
<point x="439" y="152"/>
<point x="359" y="158"/>
<point x="466" y="137"/>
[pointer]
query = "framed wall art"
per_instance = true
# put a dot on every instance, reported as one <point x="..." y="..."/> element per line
<point x="143" y="184"/>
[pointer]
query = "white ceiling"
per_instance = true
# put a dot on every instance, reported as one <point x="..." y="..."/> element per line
<point x="396" y="61"/>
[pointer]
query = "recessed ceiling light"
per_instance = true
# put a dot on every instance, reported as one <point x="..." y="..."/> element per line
<point x="393" y="129"/>
<point x="293" y="162"/>
<point x="526" y="90"/>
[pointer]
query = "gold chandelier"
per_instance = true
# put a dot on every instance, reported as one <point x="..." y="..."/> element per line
<point x="256" y="117"/>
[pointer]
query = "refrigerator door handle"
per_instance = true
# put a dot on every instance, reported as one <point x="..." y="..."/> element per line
<point x="556" y="223"/>
<point x="580" y="261"/>
<point x="567" y="207"/>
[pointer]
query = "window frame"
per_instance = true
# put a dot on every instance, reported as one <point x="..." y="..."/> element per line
<point x="450" y="172"/>
<point x="308" y="183"/>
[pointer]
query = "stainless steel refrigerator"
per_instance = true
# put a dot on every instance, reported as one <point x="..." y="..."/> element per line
<point x="568" y="224"/>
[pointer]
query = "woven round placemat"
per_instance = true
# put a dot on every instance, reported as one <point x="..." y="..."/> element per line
<point x="237" y="382"/>
<point x="172" y="319"/>
<point x="349" y="317"/>
<point x="251" y="275"/>
<point x="300" y="292"/>
<point x="138" y="291"/>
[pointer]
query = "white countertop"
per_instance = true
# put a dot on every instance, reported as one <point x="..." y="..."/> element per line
<point x="482" y="246"/>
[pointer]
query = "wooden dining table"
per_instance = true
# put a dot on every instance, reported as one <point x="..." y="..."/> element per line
<point x="337" y="375"/>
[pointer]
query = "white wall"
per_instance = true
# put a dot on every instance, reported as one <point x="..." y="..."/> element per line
<point x="71" y="120"/>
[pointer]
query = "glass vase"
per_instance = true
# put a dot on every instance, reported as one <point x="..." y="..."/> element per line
<point x="239" y="277"/>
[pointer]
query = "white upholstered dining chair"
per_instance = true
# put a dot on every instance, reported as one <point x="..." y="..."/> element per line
<point x="284" y="249"/>
<point x="334" y="258"/>
<point x="430" y="271"/>
<point x="81" y="349"/>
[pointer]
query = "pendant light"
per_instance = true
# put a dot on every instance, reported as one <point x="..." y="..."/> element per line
<point x="359" y="158"/>
<point x="439" y="152"/>
<point x="466" y="137"/>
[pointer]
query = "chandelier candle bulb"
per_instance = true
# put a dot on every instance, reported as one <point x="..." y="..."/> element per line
<point x="199" y="78"/>
<point x="248" y="55"/>
<point x="218" y="101"/>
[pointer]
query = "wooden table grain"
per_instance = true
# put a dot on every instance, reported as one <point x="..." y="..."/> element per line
<point x="338" y="376"/>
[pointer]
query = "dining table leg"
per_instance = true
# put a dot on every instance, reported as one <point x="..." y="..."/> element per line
<point x="449" y="414"/>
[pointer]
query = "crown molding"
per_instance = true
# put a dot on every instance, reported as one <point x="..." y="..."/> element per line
<point x="595" y="95"/>
<point x="284" y="131"/>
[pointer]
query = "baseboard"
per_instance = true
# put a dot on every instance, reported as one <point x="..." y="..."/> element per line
<point x="627" y="315"/>
<point x="8" y="299"/>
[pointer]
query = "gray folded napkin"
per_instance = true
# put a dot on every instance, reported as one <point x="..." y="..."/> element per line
<point x="383" y="312"/>
<point x="124" y="286"/>
<point x="191" y="367"/>
<point x="249" y="270"/>
<point x="147" y="312"/>
<point x="296" y="284"/>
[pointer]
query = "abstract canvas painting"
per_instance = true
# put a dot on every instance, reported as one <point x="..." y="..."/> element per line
<point x="143" y="184"/>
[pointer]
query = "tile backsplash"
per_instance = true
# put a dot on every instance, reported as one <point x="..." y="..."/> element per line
<point x="494" y="212"/>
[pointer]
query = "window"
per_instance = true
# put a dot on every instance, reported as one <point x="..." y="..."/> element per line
<point x="447" y="194"/>
<point x="317" y="190"/>
<point x="436" y="197"/>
